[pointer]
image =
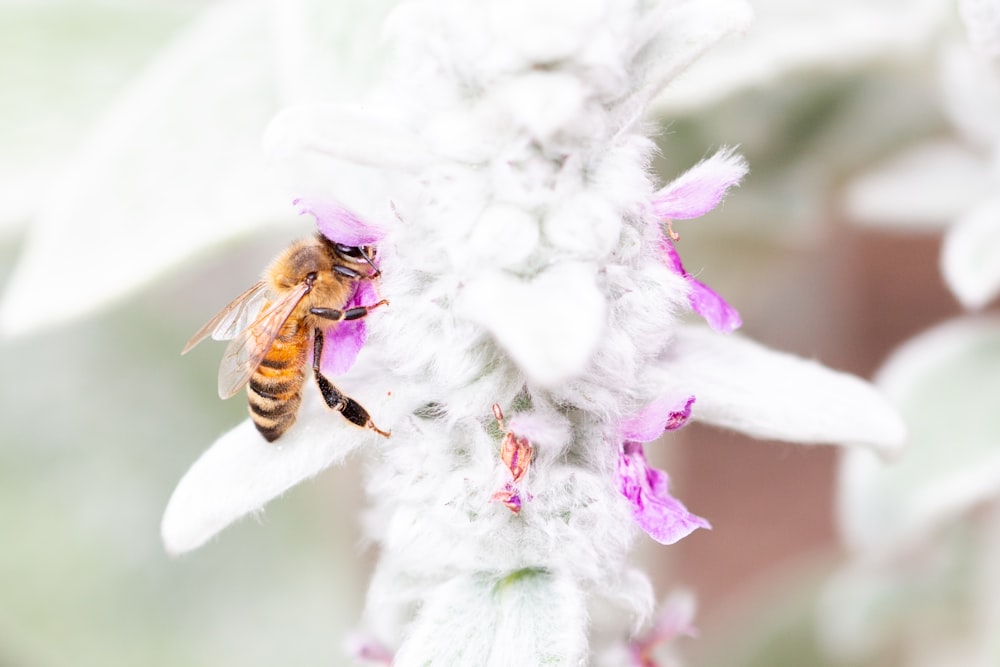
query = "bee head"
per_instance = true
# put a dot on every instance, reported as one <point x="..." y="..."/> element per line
<point x="355" y="255"/>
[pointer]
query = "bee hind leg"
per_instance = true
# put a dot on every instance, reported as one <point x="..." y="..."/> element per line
<point x="336" y="399"/>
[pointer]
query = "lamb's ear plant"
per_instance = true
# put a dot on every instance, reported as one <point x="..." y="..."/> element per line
<point x="534" y="344"/>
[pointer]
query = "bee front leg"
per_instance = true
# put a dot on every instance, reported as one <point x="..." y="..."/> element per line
<point x="336" y="399"/>
<point x="356" y="313"/>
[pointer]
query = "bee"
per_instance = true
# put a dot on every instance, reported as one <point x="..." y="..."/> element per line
<point x="272" y="324"/>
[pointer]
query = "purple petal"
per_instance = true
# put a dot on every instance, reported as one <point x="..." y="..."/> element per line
<point x="673" y="620"/>
<point x="368" y="649"/>
<point x="700" y="189"/>
<point x="344" y="340"/>
<point x="672" y="257"/>
<point x="338" y="223"/>
<point x="703" y="299"/>
<point x="510" y="496"/>
<point x="647" y="489"/>
<point x="717" y="312"/>
<point x="664" y="414"/>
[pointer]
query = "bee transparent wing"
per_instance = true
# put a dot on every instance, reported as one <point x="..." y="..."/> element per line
<point x="234" y="319"/>
<point x="248" y="349"/>
<point x="243" y="315"/>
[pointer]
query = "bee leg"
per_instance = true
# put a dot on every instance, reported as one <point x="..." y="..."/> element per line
<point x="350" y="314"/>
<point x="337" y="400"/>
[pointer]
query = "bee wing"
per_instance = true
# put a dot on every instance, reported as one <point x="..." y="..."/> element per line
<point x="235" y="318"/>
<point x="248" y="349"/>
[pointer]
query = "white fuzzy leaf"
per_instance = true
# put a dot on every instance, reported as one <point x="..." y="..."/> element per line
<point x="241" y="472"/>
<point x="543" y="31"/>
<point x="585" y="224"/>
<point x="744" y="386"/>
<point x="353" y="133"/>
<point x="681" y="31"/>
<point x="542" y="102"/>
<point x="349" y="153"/>
<point x="946" y="383"/>
<point x="531" y="617"/>
<point x="970" y="255"/>
<point x="500" y="226"/>
<point x="924" y="187"/>
<point x="549" y="325"/>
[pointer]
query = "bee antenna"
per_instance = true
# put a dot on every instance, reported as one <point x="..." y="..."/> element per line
<point x="372" y="264"/>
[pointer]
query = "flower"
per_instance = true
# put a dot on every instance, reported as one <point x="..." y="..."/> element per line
<point x="368" y="651"/>
<point x="673" y="620"/>
<point x="516" y="453"/>
<point x="653" y="646"/>
<point x="657" y="512"/>
<point x="647" y="489"/>
<point x="505" y="162"/>
<point x="344" y="339"/>
<point x="691" y="195"/>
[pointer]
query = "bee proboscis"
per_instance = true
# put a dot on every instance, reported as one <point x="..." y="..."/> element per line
<point x="272" y="324"/>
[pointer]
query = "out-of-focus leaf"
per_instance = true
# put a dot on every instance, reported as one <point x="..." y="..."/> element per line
<point x="971" y="95"/>
<point x="945" y="383"/>
<point x="970" y="257"/>
<point x="96" y="430"/>
<point x="175" y="164"/>
<point x="61" y="62"/>
<point x="924" y="187"/>
<point x="792" y="36"/>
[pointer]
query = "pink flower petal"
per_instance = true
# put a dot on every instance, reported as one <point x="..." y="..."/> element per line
<point x="510" y="496"/>
<point x="367" y="649"/>
<point x="647" y="489"/>
<point x="717" y="312"/>
<point x="700" y="189"/>
<point x="338" y="223"/>
<point x="663" y="414"/>
<point x="671" y="257"/>
<point x="674" y="620"/>
<point x="703" y="299"/>
<point x="344" y="340"/>
<point x="516" y="453"/>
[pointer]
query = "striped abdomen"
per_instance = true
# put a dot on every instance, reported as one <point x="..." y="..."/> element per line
<point x="274" y="390"/>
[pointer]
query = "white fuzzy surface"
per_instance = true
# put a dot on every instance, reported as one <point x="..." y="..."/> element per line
<point x="742" y="385"/>
<point x="523" y="267"/>
<point x="521" y="264"/>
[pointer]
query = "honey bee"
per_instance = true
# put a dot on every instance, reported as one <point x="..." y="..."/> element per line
<point x="272" y="324"/>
